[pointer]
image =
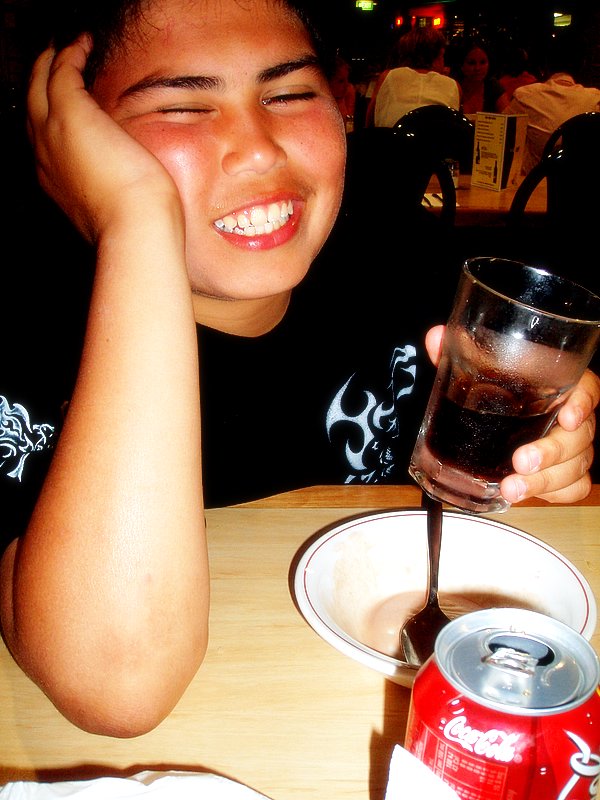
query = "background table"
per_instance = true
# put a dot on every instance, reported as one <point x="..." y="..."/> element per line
<point x="273" y="706"/>
<point x="476" y="206"/>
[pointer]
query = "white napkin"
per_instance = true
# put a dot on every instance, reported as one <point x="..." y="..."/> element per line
<point x="409" y="778"/>
<point x="432" y="200"/>
<point x="154" y="785"/>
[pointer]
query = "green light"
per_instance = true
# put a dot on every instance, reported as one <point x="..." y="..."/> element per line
<point x="365" y="5"/>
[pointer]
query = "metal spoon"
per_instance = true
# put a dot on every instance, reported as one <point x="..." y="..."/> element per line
<point x="419" y="633"/>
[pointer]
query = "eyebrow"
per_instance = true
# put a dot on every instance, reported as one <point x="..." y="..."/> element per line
<point x="212" y="82"/>
<point x="308" y="61"/>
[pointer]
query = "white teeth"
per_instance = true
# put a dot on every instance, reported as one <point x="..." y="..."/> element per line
<point x="258" y="216"/>
<point x="273" y="212"/>
<point x="261" y="220"/>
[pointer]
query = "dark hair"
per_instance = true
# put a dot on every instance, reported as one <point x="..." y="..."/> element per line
<point x="515" y="61"/>
<point x="110" y="21"/>
<point x="564" y="54"/>
<point x="419" y="48"/>
<point x="320" y="18"/>
<point x="60" y="22"/>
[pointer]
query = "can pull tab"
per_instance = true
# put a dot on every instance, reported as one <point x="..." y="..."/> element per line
<point x="518" y="654"/>
<point x="514" y="660"/>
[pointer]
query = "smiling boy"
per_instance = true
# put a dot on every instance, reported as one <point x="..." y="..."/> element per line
<point x="207" y="155"/>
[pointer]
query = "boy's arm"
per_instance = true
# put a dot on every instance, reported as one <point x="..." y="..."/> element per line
<point x="104" y="600"/>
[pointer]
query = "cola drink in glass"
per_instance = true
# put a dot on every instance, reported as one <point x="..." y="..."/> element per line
<point x="517" y="341"/>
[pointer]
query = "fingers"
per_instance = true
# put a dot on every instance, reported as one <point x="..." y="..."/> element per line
<point x="515" y="488"/>
<point x="555" y="467"/>
<point x="72" y="58"/>
<point x="37" y="100"/>
<point x="581" y="403"/>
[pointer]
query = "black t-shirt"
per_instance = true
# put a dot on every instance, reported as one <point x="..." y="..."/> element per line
<point x="336" y="392"/>
<point x="43" y="321"/>
<point x="333" y="394"/>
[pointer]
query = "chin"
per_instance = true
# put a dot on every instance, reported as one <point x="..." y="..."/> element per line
<point x="263" y="284"/>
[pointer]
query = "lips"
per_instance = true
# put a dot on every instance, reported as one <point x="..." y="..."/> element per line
<point x="260" y="220"/>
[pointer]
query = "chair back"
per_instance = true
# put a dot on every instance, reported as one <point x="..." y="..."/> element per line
<point x="446" y="132"/>
<point x="582" y="130"/>
<point x="389" y="171"/>
<point x="571" y="168"/>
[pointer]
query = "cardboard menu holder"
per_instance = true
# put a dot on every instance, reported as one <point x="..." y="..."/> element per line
<point x="498" y="150"/>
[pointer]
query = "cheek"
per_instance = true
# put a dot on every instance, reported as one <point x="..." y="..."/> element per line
<point x="178" y="150"/>
<point x="188" y="167"/>
<point x="321" y="145"/>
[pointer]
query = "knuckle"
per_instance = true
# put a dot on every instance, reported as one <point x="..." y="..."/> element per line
<point x="570" y="494"/>
<point x="587" y="459"/>
<point x="555" y="447"/>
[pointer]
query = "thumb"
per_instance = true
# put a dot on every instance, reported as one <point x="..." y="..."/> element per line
<point x="433" y="342"/>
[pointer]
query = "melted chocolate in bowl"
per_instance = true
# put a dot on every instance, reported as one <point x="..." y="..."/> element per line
<point x="380" y="627"/>
<point x="357" y="582"/>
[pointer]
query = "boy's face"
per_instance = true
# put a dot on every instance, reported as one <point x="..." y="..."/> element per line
<point x="228" y="97"/>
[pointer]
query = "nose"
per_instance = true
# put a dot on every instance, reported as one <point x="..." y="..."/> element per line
<point x="252" y="145"/>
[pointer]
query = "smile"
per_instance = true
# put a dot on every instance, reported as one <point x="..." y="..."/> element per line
<point x="259" y="221"/>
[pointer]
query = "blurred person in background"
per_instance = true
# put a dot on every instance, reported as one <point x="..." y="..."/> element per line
<point x="558" y="98"/>
<point x="344" y="91"/>
<point x="416" y="79"/>
<point x="514" y="71"/>
<point x="480" y="91"/>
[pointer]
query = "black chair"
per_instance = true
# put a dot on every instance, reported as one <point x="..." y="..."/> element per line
<point x="566" y="238"/>
<point x="383" y="217"/>
<point x="581" y="130"/>
<point x="389" y="170"/>
<point x="445" y="131"/>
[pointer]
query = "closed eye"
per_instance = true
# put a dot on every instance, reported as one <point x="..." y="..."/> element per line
<point x="183" y="110"/>
<point x="290" y="97"/>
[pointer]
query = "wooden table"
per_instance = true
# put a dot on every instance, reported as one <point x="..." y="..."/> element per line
<point x="273" y="706"/>
<point x="486" y="207"/>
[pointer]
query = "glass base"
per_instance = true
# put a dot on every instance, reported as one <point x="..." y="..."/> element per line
<point x="450" y="486"/>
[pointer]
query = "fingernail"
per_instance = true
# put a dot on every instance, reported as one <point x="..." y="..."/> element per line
<point x="534" y="460"/>
<point x="520" y="488"/>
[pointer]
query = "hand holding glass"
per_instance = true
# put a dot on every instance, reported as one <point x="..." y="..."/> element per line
<point x="517" y="341"/>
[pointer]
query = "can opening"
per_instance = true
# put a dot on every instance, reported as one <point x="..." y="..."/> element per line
<point x="531" y="648"/>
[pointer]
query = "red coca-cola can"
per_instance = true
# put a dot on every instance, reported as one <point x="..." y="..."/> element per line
<point x="508" y="708"/>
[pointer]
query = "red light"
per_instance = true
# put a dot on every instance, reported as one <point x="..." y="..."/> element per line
<point x="433" y="15"/>
<point x="399" y="22"/>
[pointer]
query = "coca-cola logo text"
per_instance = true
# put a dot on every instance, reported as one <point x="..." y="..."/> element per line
<point x="494" y="744"/>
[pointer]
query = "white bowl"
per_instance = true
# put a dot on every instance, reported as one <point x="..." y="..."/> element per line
<point x="359" y="581"/>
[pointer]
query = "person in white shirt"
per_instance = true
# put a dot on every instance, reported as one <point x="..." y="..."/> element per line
<point x="419" y="80"/>
<point x="550" y="103"/>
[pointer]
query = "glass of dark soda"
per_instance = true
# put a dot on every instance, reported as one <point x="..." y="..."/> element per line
<point x="517" y="341"/>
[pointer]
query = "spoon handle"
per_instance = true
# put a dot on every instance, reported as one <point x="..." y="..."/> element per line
<point x="434" y="542"/>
